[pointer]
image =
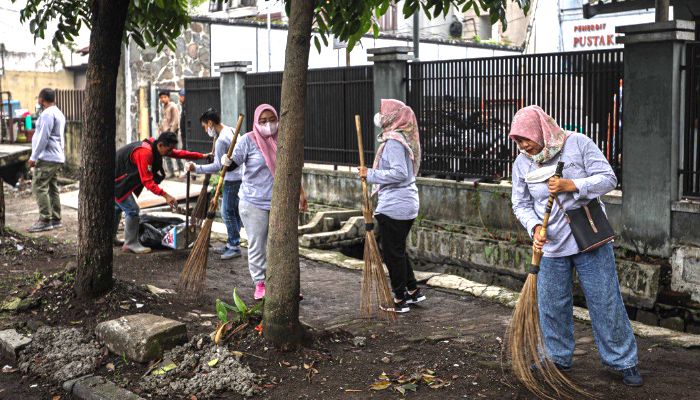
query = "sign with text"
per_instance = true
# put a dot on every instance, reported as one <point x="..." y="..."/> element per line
<point x="598" y="33"/>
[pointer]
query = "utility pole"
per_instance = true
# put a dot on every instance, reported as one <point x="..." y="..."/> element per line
<point x="662" y="10"/>
<point x="416" y="34"/>
<point x="269" y="42"/>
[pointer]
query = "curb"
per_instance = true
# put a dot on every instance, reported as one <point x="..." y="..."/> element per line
<point x="498" y="294"/>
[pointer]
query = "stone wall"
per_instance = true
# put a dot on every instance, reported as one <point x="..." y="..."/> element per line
<point x="485" y="205"/>
<point x="168" y="69"/>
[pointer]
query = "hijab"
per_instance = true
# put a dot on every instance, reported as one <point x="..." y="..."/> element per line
<point x="534" y="124"/>
<point x="399" y="123"/>
<point x="266" y="144"/>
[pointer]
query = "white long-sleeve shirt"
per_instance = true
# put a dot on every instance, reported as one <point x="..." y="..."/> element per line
<point x="221" y="148"/>
<point x="49" y="137"/>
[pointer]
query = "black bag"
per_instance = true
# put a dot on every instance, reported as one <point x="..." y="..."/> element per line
<point x="590" y="226"/>
<point x="152" y="230"/>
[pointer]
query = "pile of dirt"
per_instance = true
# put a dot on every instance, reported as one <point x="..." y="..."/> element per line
<point x="202" y="369"/>
<point x="61" y="354"/>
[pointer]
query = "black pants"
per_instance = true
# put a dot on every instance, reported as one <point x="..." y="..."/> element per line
<point x="392" y="236"/>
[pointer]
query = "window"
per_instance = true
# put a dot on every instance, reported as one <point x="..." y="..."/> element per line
<point x="389" y="21"/>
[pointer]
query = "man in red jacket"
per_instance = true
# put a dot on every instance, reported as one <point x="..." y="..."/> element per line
<point x="139" y="165"/>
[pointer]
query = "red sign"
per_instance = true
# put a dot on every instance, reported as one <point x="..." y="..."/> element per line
<point x="598" y="36"/>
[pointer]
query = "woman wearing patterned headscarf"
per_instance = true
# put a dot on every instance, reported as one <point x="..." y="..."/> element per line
<point x="587" y="176"/>
<point x="394" y="173"/>
<point x="257" y="150"/>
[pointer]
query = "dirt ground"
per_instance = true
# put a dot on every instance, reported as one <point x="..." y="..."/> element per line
<point x="455" y="339"/>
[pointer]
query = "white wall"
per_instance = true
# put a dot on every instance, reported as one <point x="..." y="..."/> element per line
<point x="22" y="53"/>
<point x="238" y="43"/>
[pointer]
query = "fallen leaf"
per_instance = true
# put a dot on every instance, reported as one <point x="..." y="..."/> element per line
<point x="380" y="385"/>
<point x="213" y="362"/>
<point x="237" y="354"/>
<point x="169" y="367"/>
<point x="7" y="369"/>
<point x="110" y="367"/>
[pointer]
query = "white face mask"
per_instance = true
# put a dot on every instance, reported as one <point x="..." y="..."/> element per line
<point x="211" y="131"/>
<point x="268" y="129"/>
<point x="378" y="120"/>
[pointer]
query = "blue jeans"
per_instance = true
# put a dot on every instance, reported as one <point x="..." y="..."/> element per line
<point x="128" y="206"/>
<point x="229" y="213"/>
<point x="612" y="330"/>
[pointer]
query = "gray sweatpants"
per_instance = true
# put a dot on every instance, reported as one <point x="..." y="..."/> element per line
<point x="256" y="222"/>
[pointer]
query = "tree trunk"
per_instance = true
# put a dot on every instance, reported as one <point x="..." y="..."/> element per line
<point x="96" y="209"/>
<point x="281" y="318"/>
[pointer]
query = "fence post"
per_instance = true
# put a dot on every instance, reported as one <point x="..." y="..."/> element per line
<point x="389" y="74"/>
<point x="653" y="102"/>
<point x="232" y="90"/>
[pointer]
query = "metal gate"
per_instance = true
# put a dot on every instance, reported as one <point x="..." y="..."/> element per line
<point x="465" y="107"/>
<point x="690" y="154"/>
<point x="200" y="95"/>
<point x="334" y="97"/>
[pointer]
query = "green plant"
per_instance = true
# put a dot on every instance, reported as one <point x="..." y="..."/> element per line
<point x="242" y="312"/>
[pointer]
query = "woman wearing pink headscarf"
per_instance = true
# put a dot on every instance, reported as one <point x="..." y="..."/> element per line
<point x="587" y="176"/>
<point x="395" y="168"/>
<point x="257" y="151"/>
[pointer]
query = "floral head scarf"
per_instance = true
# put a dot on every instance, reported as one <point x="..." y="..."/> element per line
<point x="399" y="123"/>
<point x="534" y="124"/>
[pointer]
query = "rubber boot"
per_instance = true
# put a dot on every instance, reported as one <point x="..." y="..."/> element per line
<point x="116" y="241"/>
<point x="131" y="237"/>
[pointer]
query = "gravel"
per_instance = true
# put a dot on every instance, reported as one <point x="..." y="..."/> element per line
<point x="60" y="354"/>
<point x="194" y="376"/>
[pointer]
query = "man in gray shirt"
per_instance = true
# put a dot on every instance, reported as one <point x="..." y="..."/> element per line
<point x="47" y="159"/>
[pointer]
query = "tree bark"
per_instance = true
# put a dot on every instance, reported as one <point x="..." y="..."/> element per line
<point x="96" y="209"/>
<point x="281" y="317"/>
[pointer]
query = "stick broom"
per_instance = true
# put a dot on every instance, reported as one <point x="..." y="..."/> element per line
<point x="375" y="293"/>
<point x="200" y="209"/>
<point x="195" y="270"/>
<point x="525" y="342"/>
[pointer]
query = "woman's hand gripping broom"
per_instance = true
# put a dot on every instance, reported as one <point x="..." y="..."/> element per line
<point x="195" y="270"/>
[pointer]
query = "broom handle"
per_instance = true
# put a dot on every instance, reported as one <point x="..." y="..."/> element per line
<point x="215" y="201"/>
<point x="537" y="254"/>
<point x="366" y="210"/>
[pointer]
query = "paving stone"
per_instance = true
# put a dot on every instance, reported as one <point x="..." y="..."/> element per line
<point x="12" y="342"/>
<point x="585" y="340"/>
<point x="97" y="388"/>
<point x="141" y="337"/>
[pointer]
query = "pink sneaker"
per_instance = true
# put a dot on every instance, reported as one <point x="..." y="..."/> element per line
<point x="259" y="290"/>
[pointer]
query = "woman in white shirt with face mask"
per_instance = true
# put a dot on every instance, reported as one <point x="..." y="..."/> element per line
<point x="257" y="151"/>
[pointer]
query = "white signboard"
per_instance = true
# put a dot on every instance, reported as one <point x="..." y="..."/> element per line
<point x="598" y="33"/>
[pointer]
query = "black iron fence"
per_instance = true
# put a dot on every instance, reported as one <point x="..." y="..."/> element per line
<point x="465" y="107"/>
<point x="200" y="95"/>
<point x="690" y="154"/>
<point x="334" y="96"/>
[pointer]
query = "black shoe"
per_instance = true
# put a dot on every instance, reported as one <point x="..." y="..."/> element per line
<point x="56" y="223"/>
<point x="560" y="367"/>
<point x="40" y="226"/>
<point x="632" y="377"/>
<point x="400" y="307"/>
<point x="415" y="297"/>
